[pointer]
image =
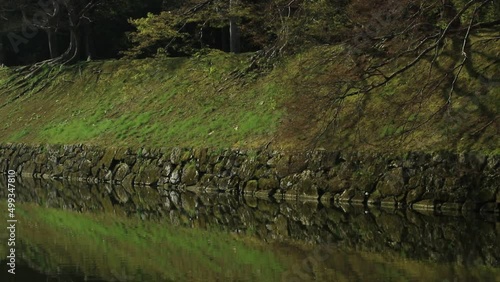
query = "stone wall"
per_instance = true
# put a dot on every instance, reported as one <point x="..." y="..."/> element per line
<point x="442" y="180"/>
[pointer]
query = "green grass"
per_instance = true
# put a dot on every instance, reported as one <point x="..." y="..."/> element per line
<point x="200" y="102"/>
<point x="163" y="101"/>
<point x="18" y="135"/>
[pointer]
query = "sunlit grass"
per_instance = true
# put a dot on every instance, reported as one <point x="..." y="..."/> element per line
<point x="174" y="102"/>
<point x="203" y="101"/>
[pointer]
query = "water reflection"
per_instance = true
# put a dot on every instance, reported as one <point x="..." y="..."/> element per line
<point x="287" y="240"/>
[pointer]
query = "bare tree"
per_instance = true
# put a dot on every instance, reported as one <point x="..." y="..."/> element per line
<point x="396" y="44"/>
<point x="78" y="19"/>
<point x="393" y="37"/>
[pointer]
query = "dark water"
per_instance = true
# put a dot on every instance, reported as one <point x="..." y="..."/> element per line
<point x="157" y="234"/>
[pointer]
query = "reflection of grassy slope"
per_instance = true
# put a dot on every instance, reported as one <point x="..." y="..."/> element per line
<point x="343" y="264"/>
<point x="143" y="251"/>
<point x="200" y="101"/>
<point x="116" y="248"/>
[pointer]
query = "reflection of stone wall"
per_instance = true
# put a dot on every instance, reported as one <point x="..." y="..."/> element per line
<point x="466" y="240"/>
<point x="440" y="180"/>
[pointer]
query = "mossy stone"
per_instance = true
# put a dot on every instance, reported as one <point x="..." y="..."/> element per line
<point x="251" y="187"/>
<point x="189" y="174"/>
<point x="268" y="184"/>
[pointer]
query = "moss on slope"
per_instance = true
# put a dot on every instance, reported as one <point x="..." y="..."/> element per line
<point x="202" y="101"/>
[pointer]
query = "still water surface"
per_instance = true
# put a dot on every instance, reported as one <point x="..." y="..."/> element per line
<point x="82" y="232"/>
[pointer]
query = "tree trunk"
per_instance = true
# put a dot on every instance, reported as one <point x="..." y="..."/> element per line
<point x="53" y="20"/>
<point x="89" y="44"/>
<point x="53" y="46"/>
<point x="234" y="31"/>
<point x="73" y="52"/>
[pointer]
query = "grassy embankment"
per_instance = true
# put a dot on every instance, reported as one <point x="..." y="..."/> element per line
<point x="201" y="101"/>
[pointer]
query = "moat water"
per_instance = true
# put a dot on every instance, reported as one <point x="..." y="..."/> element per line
<point x="82" y="232"/>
